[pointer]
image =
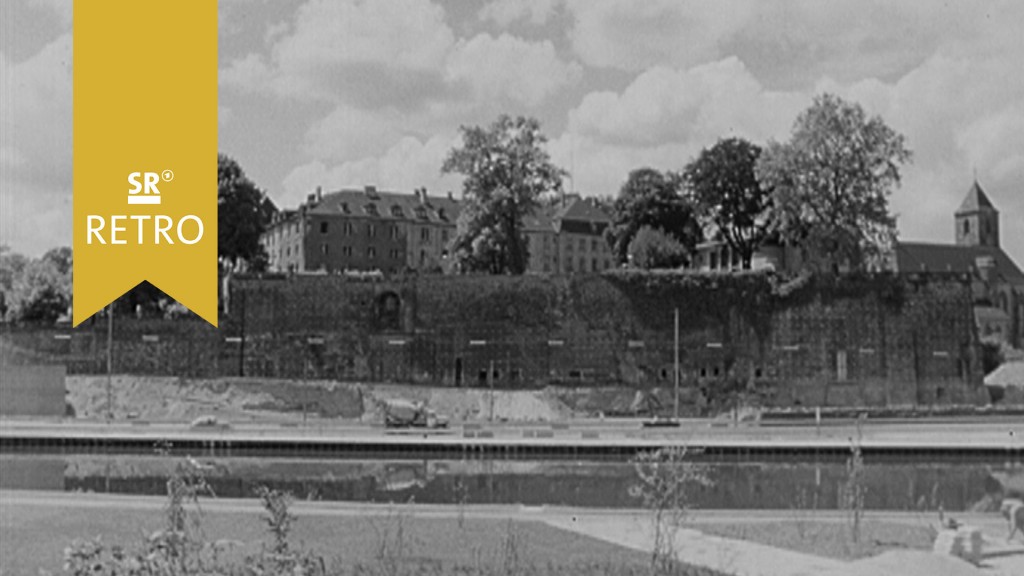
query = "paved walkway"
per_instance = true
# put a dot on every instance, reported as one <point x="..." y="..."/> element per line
<point x="743" y="558"/>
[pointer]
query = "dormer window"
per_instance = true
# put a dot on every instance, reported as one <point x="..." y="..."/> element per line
<point x="421" y="212"/>
<point x="370" y="209"/>
<point x="344" y="207"/>
<point x="396" y="211"/>
<point x="441" y="214"/>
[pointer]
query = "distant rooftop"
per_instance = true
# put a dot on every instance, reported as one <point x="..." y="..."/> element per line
<point x="925" y="257"/>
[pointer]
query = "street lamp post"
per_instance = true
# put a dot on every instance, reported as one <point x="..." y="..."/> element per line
<point x="110" y="361"/>
<point x="675" y="364"/>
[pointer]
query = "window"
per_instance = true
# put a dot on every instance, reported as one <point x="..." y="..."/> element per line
<point x="323" y="227"/>
<point x="394" y="254"/>
<point x="593" y="245"/>
<point x="713" y="260"/>
<point x="371" y="252"/>
<point x="346" y="251"/>
<point x="394" y="232"/>
<point x="423" y="257"/>
<point x="344" y="207"/>
<point x="593" y="265"/>
<point x="371" y="230"/>
<point x="371" y="209"/>
<point x="568" y="245"/>
<point x="425" y="235"/>
<point x="396" y="211"/>
<point x="583" y="244"/>
<point x="444" y="236"/>
<point x="348" y="228"/>
<point x="967" y="226"/>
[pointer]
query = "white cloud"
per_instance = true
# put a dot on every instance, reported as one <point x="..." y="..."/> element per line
<point x="63" y="9"/>
<point x="505" y="12"/>
<point x="249" y="73"/>
<point x="510" y="69"/>
<point x="35" y="181"/>
<point x="409" y="164"/>
<point x="350" y="132"/>
<point x="698" y="105"/>
<point x="636" y="35"/>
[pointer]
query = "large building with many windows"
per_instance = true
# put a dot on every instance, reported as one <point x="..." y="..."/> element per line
<point x="370" y="229"/>
<point x="363" y="230"/>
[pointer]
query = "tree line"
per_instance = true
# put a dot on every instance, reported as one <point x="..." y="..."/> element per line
<point x="825" y="190"/>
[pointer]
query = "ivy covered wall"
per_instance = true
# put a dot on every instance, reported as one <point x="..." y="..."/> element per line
<point x="810" y="341"/>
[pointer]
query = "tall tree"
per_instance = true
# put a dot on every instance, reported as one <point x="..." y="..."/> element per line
<point x="506" y="171"/>
<point x="654" y="199"/>
<point x="832" y="180"/>
<point x="722" y="181"/>
<point x="243" y="213"/>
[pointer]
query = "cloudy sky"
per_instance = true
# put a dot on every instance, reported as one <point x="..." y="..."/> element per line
<point x="347" y="92"/>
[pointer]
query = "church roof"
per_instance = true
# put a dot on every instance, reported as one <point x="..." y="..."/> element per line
<point x="975" y="201"/>
<point x="924" y="257"/>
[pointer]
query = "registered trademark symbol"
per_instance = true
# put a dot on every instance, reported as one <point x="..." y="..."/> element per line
<point x="167" y="175"/>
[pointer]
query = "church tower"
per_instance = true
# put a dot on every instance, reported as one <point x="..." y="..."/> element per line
<point x="977" y="220"/>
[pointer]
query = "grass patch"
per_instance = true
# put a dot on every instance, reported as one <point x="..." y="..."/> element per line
<point x="827" y="538"/>
<point x="34" y="537"/>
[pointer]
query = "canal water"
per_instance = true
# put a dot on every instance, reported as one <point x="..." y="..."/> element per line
<point x="793" y="483"/>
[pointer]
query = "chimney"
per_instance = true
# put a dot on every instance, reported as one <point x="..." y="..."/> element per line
<point x="423" y="195"/>
<point x="985" y="265"/>
<point x="451" y="196"/>
<point x="319" y="193"/>
<point x="311" y="199"/>
<point x="370" y="190"/>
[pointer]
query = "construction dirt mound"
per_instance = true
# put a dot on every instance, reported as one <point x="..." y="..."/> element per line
<point x="167" y="398"/>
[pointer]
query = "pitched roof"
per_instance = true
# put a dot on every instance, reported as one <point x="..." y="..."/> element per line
<point x="1009" y="374"/>
<point x="388" y="206"/>
<point x="538" y="222"/>
<point x="975" y="201"/>
<point x="582" y="210"/>
<point x="920" y="256"/>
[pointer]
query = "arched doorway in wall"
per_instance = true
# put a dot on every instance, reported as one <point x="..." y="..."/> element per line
<point x="388" y="311"/>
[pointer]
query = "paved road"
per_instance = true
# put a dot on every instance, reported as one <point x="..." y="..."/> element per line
<point x="999" y="433"/>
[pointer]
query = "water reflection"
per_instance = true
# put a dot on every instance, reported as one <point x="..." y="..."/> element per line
<point x="901" y="484"/>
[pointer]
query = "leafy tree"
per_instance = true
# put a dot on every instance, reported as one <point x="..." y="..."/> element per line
<point x="832" y="180"/>
<point x="654" y="199"/>
<point x="652" y="248"/>
<point x="507" y="170"/>
<point x="38" y="289"/>
<point x="243" y="213"/>
<point x="723" y="182"/>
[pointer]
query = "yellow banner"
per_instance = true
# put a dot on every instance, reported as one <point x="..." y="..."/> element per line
<point x="145" y="152"/>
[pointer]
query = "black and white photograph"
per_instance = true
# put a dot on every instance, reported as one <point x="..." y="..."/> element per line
<point x="537" y="287"/>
